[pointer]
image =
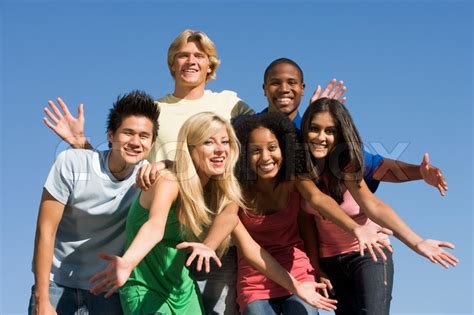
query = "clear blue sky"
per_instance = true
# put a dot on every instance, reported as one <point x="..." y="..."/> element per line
<point x="407" y="65"/>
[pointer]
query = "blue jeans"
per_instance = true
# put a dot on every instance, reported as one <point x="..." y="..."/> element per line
<point x="283" y="305"/>
<point x="361" y="285"/>
<point x="70" y="301"/>
<point x="218" y="288"/>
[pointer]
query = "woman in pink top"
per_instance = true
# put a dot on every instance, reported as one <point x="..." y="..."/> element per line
<point x="334" y="156"/>
<point x="266" y="172"/>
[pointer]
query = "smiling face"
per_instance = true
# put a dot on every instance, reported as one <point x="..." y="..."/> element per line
<point x="264" y="153"/>
<point x="131" y="143"/>
<point x="191" y="65"/>
<point x="284" y="88"/>
<point x="322" y="134"/>
<point x="210" y="157"/>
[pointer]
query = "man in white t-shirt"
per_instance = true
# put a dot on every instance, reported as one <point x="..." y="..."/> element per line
<point x="83" y="211"/>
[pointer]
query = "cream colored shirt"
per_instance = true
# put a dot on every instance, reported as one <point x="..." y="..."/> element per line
<point x="175" y="111"/>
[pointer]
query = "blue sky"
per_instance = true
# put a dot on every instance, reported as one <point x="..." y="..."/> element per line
<point x="407" y="66"/>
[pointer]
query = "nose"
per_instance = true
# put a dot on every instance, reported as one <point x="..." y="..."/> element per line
<point x="266" y="155"/>
<point x="284" y="87"/>
<point x="135" y="140"/>
<point x="219" y="148"/>
<point x="191" y="58"/>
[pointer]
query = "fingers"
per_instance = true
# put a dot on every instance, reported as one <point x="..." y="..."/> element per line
<point x="56" y="111"/>
<point x="98" y="276"/>
<point x="199" y="263"/>
<point x="111" y="291"/>
<point x="51" y="115"/>
<point x="190" y="260"/>
<point x="80" y="112"/>
<point x="426" y="159"/>
<point x="182" y="245"/>
<point x="446" y="244"/>
<point x="63" y="107"/>
<point x="316" y="94"/>
<point x="385" y="231"/>
<point x="217" y="261"/>
<point x="106" y="256"/>
<point x="380" y="251"/>
<point x="371" y="251"/>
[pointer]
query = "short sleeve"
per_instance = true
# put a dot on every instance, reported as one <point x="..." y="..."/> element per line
<point x="60" y="181"/>
<point x="371" y="162"/>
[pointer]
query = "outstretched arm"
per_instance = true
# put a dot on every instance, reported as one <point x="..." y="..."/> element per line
<point x="261" y="260"/>
<point x="398" y="171"/>
<point x="49" y="216"/>
<point x="385" y="216"/>
<point x="159" y="201"/>
<point x="366" y="235"/>
<point x="66" y="126"/>
<point x="332" y="90"/>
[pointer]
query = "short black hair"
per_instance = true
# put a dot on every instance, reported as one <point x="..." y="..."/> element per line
<point x="284" y="131"/>
<point x="135" y="103"/>
<point x="279" y="61"/>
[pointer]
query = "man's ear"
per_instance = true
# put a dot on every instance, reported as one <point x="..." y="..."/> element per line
<point x="110" y="135"/>
<point x="303" y="85"/>
<point x="263" y="87"/>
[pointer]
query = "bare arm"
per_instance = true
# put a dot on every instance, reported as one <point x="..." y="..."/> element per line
<point x="309" y="235"/>
<point x="159" y="201"/>
<point x="49" y="216"/>
<point x="398" y="172"/>
<point x="366" y="235"/>
<point x="385" y="216"/>
<point x="261" y="260"/>
<point x="66" y="126"/>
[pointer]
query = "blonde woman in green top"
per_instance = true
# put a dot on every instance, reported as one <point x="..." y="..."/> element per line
<point x="180" y="205"/>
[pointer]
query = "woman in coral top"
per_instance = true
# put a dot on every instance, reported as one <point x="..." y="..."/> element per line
<point x="334" y="156"/>
<point x="266" y="172"/>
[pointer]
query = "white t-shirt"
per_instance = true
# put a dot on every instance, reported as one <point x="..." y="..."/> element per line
<point x="175" y="111"/>
<point x="96" y="207"/>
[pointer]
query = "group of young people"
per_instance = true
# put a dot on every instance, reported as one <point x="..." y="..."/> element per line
<point x="272" y="214"/>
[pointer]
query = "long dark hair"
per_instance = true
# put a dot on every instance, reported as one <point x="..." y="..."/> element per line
<point x="345" y="161"/>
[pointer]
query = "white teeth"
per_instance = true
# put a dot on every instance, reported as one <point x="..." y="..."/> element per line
<point x="267" y="167"/>
<point x="284" y="100"/>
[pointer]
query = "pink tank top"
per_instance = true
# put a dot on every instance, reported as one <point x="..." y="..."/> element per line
<point x="332" y="239"/>
<point x="278" y="234"/>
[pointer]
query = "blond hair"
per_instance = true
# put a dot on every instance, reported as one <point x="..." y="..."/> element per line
<point x="203" y="41"/>
<point x="195" y="214"/>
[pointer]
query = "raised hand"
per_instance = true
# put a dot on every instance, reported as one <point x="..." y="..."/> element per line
<point x="432" y="175"/>
<point x="112" y="277"/>
<point x="369" y="237"/>
<point x="203" y="254"/>
<point x="432" y="250"/>
<point x="66" y="126"/>
<point x="307" y="291"/>
<point x="332" y="90"/>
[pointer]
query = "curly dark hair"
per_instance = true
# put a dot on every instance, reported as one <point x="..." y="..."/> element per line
<point x="135" y="103"/>
<point x="345" y="159"/>
<point x="284" y="131"/>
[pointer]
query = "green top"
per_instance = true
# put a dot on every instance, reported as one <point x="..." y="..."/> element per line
<point x="160" y="282"/>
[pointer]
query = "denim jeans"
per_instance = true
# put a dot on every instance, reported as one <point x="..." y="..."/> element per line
<point x="361" y="285"/>
<point x="70" y="301"/>
<point x="218" y="288"/>
<point x="290" y="305"/>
